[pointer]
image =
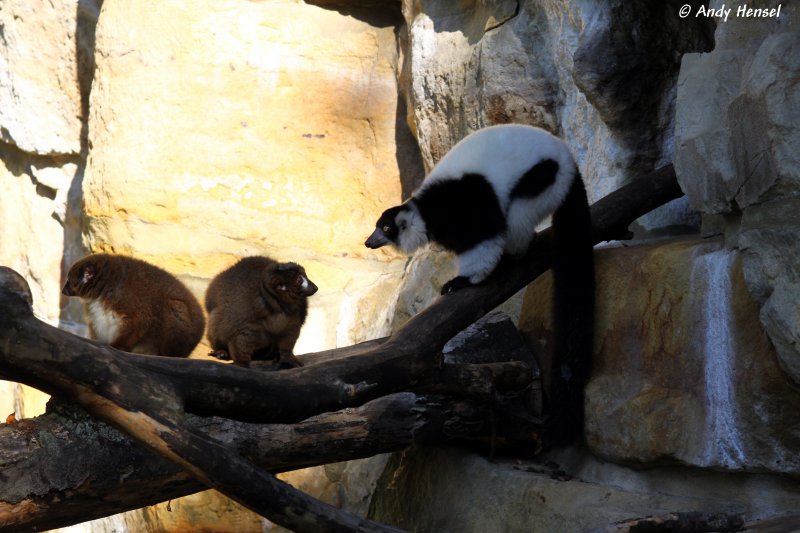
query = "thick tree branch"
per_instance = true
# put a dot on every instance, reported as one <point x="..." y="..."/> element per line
<point x="146" y="405"/>
<point x="384" y="426"/>
<point x="147" y="396"/>
<point x="374" y="368"/>
<point x="33" y="453"/>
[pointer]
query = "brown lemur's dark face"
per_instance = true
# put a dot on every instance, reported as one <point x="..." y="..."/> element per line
<point x="386" y="229"/>
<point x="289" y="281"/>
<point x="79" y="279"/>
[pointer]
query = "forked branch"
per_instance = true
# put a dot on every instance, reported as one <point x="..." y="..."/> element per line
<point x="147" y="397"/>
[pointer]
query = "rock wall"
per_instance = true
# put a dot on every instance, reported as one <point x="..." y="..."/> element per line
<point x="193" y="133"/>
<point x="594" y="73"/>
<point x="683" y="370"/>
<point x="45" y="73"/>
<point x="737" y="135"/>
<point x="438" y="489"/>
<point x="226" y="129"/>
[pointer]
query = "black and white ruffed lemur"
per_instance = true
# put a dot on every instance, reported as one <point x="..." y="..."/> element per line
<point x="484" y="199"/>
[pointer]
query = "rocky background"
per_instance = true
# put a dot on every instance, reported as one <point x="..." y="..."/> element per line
<point x="193" y="133"/>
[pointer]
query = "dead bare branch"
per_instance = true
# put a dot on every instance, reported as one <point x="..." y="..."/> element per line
<point x="148" y="397"/>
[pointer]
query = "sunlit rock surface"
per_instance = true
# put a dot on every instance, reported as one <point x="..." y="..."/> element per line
<point x="683" y="371"/>
<point x="39" y="43"/>
<point x="247" y="128"/>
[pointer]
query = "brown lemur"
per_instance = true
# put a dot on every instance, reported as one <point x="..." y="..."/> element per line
<point x="256" y="309"/>
<point x="135" y="306"/>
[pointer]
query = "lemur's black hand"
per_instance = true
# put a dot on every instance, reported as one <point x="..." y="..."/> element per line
<point x="455" y="284"/>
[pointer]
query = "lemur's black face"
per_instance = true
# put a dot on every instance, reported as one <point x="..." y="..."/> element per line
<point x="79" y="279"/>
<point x="386" y="231"/>
<point x="288" y="281"/>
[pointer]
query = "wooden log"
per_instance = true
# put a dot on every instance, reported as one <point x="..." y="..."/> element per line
<point x="112" y="387"/>
<point x="148" y="396"/>
<point x="64" y="467"/>
<point x="72" y="447"/>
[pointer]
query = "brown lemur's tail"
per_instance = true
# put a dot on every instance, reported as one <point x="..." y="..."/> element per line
<point x="573" y="314"/>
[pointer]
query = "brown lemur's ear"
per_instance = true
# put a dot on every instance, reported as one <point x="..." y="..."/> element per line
<point x="87" y="274"/>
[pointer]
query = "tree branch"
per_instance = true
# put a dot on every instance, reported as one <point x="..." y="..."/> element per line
<point x="386" y="424"/>
<point x="148" y="396"/>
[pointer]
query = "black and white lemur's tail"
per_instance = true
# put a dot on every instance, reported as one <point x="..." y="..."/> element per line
<point x="573" y="314"/>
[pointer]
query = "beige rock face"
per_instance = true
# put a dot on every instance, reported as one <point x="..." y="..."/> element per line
<point x="227" y="129"/>
<point x="33" y="193"/>
<point x="32" y="220"/>
<point x="44" y="76"/>
<point x="227" y="121"/>
<point x="39" y="40"/>
<point x="204" y="511"/>
<point x="683" y="370"/>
